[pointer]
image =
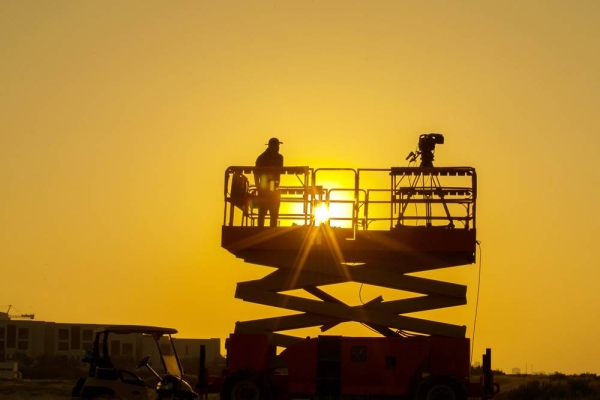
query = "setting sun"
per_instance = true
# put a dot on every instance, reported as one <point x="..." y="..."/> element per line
<point x="321" y="214"/>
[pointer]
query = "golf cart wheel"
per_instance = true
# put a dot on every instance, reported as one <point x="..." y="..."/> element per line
<point x="441" y="388"/>
<point x="244" y="385"/>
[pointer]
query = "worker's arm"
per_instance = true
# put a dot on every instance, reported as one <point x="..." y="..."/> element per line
<point x="257" y="180"/>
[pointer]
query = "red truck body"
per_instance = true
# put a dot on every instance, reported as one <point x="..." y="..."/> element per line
<point x="351" y="367"/>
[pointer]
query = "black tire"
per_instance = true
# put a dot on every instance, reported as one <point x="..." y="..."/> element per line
<point x="76" y="391"/>
<point x="439" y="387"/>
<point x="244" y="385"/>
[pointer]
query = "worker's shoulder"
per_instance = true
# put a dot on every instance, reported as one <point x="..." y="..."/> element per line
<point x="269" y="159"/>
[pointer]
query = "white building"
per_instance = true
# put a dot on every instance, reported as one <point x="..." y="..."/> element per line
<point x="35" y="338"/>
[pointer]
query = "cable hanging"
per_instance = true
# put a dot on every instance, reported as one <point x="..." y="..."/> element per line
<point x="476" y="301"/>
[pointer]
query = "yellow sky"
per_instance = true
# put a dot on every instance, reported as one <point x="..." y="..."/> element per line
<point x="118" y="120"/>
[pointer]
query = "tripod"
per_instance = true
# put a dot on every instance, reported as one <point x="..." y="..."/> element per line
<point x="425" y="185"/>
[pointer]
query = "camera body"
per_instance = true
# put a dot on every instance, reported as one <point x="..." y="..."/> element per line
<point x="427" y="144"/>
<point x="428" y="141"/>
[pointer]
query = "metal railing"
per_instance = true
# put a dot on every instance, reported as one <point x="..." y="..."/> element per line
<point x="358" y="199"/>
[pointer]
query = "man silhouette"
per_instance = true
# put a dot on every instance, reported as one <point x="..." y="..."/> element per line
<point x="267" y="182"/>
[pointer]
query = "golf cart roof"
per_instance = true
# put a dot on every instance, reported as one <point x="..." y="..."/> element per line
<point x="126" y="329"/>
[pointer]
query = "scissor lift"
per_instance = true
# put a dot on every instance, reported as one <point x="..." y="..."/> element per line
<point x="383" y="225"/>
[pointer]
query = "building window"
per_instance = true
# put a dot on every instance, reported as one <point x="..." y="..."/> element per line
<point x="63" y="334"/>
<point x="23" y="345"/>
<point x="11" y="336"/>
<point x="75" y="338"/>
<point x="63" y="346"/>
<point x="87" y="335"/>
<point x="115" y="348"/>
<point x="86" y="346"/>
<point x="1" y="333"/>
<point x="23" y="333"/>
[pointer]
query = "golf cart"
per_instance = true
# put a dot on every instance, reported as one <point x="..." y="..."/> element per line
<point x="112" y="365"/>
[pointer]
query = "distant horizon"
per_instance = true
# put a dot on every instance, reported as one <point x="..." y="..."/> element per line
<point x="475" y="364"/>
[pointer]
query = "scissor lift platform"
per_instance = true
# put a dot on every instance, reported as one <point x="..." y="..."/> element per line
<point x="383" y="224"/>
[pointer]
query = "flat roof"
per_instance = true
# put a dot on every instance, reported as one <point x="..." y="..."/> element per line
<point x="126" y="329"/>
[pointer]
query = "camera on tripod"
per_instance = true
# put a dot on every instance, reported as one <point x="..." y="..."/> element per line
<point x="427" y="144"/>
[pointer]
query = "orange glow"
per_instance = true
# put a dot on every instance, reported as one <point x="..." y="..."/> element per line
<point x="119" y="118"/>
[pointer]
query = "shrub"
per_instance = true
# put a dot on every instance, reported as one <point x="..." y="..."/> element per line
<point x="579" y="387"/>
<point x="555" y="388"/>
<point x="557" y="376"/>
<point x="529" y="391"/>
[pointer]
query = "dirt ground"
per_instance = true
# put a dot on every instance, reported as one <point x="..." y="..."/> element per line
<point x="35" y="389"/>
<point x="42" y="390"/>
<point x="61" y="390"/>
